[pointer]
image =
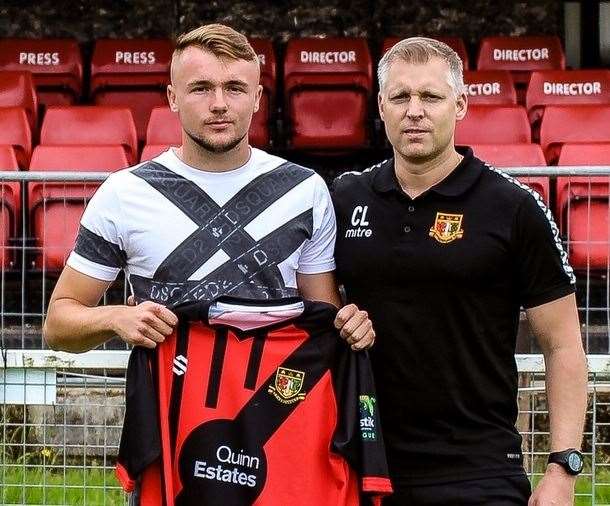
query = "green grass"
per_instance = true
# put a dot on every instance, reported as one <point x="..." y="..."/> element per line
<point x="584" y="486"/>
<point x="78" y="487"/>
<point x="87" y="487"/>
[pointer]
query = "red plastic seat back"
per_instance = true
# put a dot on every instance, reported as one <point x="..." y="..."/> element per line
<point x="10" y="207"/>
<point x="17" y="90"/>
<point x="521" y="55"/>
<point x="455" y="43"/>
<point x="583" y="206"/>
<point x="566" y="87"/>
<point x="327" y="83"/>
<point x="573" y="124"/>
<point x="164" y="127"/>
<point x="129" y="63"/>
<point x="56" y="207"/>
<point x="486" y="124"/>
<point x="90" y="125"/>
<point x="490" y="87"/>
<point x="15" y="131"/>
<point x="131" y="73"/>
<point x="259" y="129"/>
<point x="516" y="155"/>
<point x="56" y="66"/>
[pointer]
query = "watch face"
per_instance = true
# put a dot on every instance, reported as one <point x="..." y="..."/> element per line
<point x="575" y="462"/>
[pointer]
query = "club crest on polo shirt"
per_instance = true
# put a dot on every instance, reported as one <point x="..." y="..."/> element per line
<point x="288" y="385"/>
<point x="359" y="223"/>
<point x="447" y="227"/>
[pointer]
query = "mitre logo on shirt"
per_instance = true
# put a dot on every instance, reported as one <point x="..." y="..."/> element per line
<point x="288" y="385"/>
<point x="447" y="227"/>
<point x="359" y="222"/>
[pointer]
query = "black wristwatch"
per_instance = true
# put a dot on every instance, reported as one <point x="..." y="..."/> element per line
<point x="571" y="460"/>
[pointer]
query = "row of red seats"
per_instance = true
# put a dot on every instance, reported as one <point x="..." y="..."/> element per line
<point x="319" y="127"/>
<point x="54" y="208"/>
<point x="134" y="73"/>
<point x="99" y="125"/>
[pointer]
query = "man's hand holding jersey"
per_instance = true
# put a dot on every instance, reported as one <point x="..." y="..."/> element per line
<point x="145" y="324"/>
<point x="157" y="322"/>
<point x="355" y="327"/>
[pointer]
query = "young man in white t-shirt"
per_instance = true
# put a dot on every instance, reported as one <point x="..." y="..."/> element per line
<point x="209" y="218"/>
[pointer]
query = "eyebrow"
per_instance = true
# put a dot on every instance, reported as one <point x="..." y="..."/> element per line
<point x="207" y="82"/>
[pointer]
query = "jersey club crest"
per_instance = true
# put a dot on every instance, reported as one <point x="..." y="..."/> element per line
<point x="288" y="385"/>
<point x="447" y="227"/>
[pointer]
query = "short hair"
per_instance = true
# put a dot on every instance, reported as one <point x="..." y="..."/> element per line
<point x="220" y="40"/>
<point x="419" y="50"/>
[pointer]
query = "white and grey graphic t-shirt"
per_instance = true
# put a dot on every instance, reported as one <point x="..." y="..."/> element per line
<point x="184" y="234"/>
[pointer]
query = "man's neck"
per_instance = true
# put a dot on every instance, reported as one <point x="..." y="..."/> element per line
<point x="417" y="177"/>
<point x="195" y="156"/>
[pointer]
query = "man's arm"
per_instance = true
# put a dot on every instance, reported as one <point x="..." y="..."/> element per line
<point x="555" y="324"/>
<point x="75" y="324"/>
<point x="355" y="326"/>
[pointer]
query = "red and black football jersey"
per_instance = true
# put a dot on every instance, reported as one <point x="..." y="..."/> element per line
<point x="252" y="403"/>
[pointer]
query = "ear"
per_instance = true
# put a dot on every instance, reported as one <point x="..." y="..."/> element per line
<point x="171" y="98"/>
<point x="257" y="99"/>
<point x="461" y="106"/>
<point x="380" y="105"/>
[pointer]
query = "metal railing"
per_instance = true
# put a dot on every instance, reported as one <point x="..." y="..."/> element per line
<point x="61" y="414"/>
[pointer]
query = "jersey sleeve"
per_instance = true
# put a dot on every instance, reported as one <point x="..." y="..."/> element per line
<point x="358" y="435"/>
<point x="543" y="271"/>
<point x="99" y="250"/>
<point x="318" y="253"/>
<point x="140" y="443"/>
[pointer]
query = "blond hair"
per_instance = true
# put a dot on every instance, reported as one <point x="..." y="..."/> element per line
<point x="419" y="50"/>
<point x="220" y="40"/>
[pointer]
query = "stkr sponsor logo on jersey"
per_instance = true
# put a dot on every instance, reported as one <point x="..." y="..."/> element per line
<point x="368" y="429"/>
<point x="447" y="227"/>
<point x="359" y="223"/>
<point x="288" y="385"/>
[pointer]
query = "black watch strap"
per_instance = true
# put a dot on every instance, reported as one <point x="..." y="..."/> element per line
<point x="571" y="460"/>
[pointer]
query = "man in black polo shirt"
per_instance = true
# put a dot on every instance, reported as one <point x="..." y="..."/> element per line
<point x="442" y="250"/>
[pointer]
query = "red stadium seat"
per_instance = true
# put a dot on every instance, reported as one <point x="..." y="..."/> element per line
<point x="490" y="87"/>
<point x="164" y="127"/>
<point x="327" y="83"/>
<point x="455" y="43"/>
<point x="152" y="150"/>
<point x="521" y="55"/>
<point x="15" y="131"/>
<point x="583" y="206"/>
<point x="573" y="124"/>
<point x="259" y="129"/>
<point x="486" y="124"/>
<point x="55" y="64"/>
<point x="55" y="207"/>
<point x="566" y="87"/>
<point x="516" y="155"/>
<point x="17" y="90"/>
<point x="10" y="207"/>
<point x="90" y="125"/>
<point x="131" y="73"/>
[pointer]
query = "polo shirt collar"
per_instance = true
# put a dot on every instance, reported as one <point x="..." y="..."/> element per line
<point x="457" y="182"/>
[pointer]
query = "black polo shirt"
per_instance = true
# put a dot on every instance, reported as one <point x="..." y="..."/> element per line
<point x="443" y="277"/>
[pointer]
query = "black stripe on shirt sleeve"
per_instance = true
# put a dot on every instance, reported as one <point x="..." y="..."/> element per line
<point x="97" y="249"/>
